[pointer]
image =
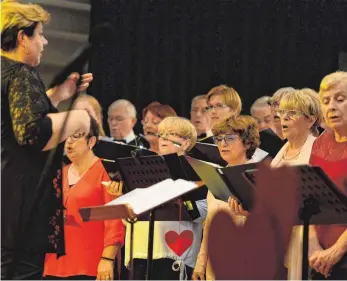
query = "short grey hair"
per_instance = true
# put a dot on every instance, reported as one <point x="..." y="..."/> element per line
<point x="260" y="103"/>
<point x="196" y="98"/>
<point x="130" y="108"/>
<point x="276" y="97"/>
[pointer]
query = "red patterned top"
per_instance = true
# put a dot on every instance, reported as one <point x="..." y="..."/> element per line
<point x="84" y="241"/>
<point x="331" y="156"/>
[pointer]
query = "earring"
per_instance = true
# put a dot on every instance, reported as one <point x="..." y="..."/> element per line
<point x="90" y="147"/>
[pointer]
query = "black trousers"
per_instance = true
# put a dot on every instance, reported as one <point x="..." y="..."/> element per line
<point x="26" y="266"/>
<point x="162" y="270"/>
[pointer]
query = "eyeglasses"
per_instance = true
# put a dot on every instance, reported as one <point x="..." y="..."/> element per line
<point x="170" y="134"/>
<point x="77" y="136"/>
<point x="228" y="139"/>
<point x="217" y="107"/>
<point x="117" y="119"/>
<point x="154" y="122"/>
<point x="292" y="114"/>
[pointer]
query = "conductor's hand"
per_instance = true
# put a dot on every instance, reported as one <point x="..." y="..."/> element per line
<point x="236" y="207"/>
<point x="198" y="276"/>
<point x="322" y="261"/>
<point x="115" y="188"/>
<point x="67" y="89"/>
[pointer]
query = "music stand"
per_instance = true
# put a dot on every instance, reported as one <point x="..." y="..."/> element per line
<point x="141" y="172"/>
<point x="131" y="205"/>
<point x="114" y="150"/>
<point x="321" y="203"/>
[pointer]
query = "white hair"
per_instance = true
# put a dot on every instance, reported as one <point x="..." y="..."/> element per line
<point x="261" y="103"/>
<point x="122" y="103"/>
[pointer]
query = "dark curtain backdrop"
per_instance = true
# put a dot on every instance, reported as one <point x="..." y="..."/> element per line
<point x="172" y="50"/>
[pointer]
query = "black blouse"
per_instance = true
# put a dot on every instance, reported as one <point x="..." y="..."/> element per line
<point x="31" y="220"/>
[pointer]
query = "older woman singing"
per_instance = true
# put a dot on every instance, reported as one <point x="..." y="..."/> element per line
<point x="91" y="247"/>
<point x="237" y="139"/>
<point x="329" y="258"/>
<point x="176" y="135"/>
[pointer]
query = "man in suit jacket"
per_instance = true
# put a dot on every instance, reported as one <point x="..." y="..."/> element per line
<point x="121" y="121"/>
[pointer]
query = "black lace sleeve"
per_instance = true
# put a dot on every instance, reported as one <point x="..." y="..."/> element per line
<point x="29" y="106"/>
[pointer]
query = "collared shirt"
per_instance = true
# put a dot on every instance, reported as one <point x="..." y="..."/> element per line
<point x="129" y="138"/>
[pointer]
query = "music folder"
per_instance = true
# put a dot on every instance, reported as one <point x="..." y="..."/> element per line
<point x="139" y="201"/>
<point x="270" y="142"/>
<point x="207" y="152"/>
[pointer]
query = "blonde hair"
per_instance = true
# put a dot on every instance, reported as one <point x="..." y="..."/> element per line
<point x="229" y="95"/>
<point x="306" y="101"/>
<point x="332" y="80"/>
<point x="16" y="16"/>
<point x="97" y="108"/>
<point x="180" y="126"/>
<point x="244" y="126"/>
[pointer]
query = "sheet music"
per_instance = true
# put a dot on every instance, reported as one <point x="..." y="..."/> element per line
<point x="258" y="155"/>
<point x="145" y="199"/>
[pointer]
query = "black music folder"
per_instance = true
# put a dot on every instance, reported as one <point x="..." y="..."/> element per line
<point x="226" y="182"/>
<point x="270" y="142"/>
<point x="207" y="152"/>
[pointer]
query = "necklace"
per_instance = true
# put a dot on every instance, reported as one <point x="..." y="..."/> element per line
<point x="290" y="158"/>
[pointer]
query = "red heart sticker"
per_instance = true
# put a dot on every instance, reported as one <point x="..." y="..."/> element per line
<point x="179" y="243"/>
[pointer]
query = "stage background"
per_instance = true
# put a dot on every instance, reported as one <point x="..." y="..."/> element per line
<point x="171" y="50"/>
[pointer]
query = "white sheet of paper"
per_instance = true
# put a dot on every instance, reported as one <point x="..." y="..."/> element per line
<point x="145" y="199"/>
<point x="258" y="155"/>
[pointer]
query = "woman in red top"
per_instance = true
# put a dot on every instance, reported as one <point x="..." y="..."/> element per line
<point x="91" y="247"/>
<point x="329" y="258"/>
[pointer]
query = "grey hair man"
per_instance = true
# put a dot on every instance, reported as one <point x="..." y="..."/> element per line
<point x="262" y="112"/>
<point x="121" y="121"/>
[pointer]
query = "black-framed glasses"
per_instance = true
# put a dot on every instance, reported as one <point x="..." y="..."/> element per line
<point x="228" y="139"/>
<point x="77" y="136"/>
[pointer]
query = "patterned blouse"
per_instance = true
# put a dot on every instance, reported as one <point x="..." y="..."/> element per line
<point x="32" y="215"/>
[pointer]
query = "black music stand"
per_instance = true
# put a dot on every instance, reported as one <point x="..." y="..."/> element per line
<point x="321" y="203"/>
<point x="132" y="205"/>
<point x="141" y="172"/>
<point x="114" y="150"/>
